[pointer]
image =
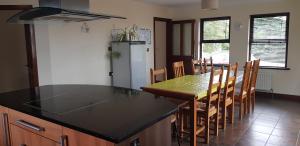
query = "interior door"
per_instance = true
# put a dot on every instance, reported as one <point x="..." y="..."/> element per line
<point x="160" y="44"/>
<point x="182" y="44"/>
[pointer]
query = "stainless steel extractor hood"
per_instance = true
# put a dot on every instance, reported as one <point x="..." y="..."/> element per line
<point x="59" y="10"/>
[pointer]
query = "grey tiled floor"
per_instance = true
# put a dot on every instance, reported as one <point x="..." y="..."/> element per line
<point x="274" y="123"/>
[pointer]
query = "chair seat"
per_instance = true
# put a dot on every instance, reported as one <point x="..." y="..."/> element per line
<point x="228" y="101"/>
<point x="237" y="97"/>
<point x="252" y="90"/>
<point x="173" y="118"/>
<point x="238" y="92"/>
<point x="201" y="109"/>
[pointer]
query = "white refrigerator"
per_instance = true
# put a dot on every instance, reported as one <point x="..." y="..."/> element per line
<point x="129" y="67"/>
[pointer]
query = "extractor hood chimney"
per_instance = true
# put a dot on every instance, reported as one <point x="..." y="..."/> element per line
<point x="59" y="10"/>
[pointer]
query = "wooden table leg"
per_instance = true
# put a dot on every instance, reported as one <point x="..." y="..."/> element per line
<point x="193" y="122"/>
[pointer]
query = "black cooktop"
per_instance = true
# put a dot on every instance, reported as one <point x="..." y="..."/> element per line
<point x="111" y="113"/>
<point x="70" y="101"/>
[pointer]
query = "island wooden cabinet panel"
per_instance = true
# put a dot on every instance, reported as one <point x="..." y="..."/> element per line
<point x="4" y="129"/>
<point x="156" y="135"/>
<point x="36" y="125"/>
<point x="22" y="137"/>
<point x="75" y="138"/>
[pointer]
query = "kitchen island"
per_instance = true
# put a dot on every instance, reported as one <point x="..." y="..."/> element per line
<point x="84" y="115"/>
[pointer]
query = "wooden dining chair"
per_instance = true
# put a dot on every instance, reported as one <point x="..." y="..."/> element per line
<point x="252" y="86"/>
<point x="227" y="98"/>
<point x="154" y="74"/>
<point x="208" y="107"/>
<point x="206" y="63"/>
<point x="162" y="73"/>
<point x="178" y="69"/>
<point x="242" y="93"/>
<point x="197" y="67"/>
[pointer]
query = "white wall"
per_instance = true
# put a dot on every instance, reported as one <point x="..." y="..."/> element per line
<point x="285" y="82"/>
<point x="43" y="54"/>
<point x="80" y="58"/>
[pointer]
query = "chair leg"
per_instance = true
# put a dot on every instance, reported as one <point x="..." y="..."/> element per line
<point x="177" y="134"/>
<point x="180" y="123"/>
<point x="248" y="103"/>
<point x="231" y="113"/>
<point x="173" y="129"/>
<point x="206" y="133"/>
<point x="241" y="110"/>
<point x="216" y="122"/>
<point x="245" y="105"/>
<point x="253" y="101"/>
<point x="223" y="118"/>
<point x="185" y="120"/>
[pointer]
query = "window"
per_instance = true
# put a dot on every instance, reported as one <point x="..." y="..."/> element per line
<point x="269" y="39"/>
<point x="215" y="39"/>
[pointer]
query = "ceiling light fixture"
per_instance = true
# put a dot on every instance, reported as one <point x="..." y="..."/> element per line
<point x="210" y="4"/>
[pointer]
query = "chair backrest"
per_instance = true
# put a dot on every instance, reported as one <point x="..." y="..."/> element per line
<point x="214" y="87"/>
<point x="158" y="72"/>
<point x="178" y="69"/>
<point x="246" y="78"/>
<point x="197" y="67"/>
<point x="207" y="62"/>
<point x="254" y="72"/>
<point x="229" y="88"/>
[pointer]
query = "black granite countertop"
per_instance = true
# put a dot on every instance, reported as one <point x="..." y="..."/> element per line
<point x="110" y="113"/>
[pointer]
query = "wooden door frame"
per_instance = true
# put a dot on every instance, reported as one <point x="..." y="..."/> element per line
<point x="30" y="46"/>
<point x="168" y="35"/>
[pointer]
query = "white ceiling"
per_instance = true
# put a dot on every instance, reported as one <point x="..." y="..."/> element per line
<point x="188" y="2"/>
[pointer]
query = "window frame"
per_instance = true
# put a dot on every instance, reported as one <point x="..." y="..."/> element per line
<point x="251" y="37"/>
<point x="202" y="21"/>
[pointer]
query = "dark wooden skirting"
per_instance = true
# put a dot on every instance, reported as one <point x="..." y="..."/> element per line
<point x="278" y="96"/>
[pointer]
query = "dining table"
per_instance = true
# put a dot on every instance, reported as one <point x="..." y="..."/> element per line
<point x="190" y="88"/>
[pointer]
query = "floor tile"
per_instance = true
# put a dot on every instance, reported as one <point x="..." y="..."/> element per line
<point x="261" y="129"/>
<point x="265" y="123"/>
<point x="282" y="141"/>
<point x="256" y="136"/>
<point x="250" y="143"/>
<point x="290" y="133"/>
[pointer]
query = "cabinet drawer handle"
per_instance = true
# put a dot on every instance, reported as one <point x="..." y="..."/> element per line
<point x="5" y="128"/>
<point x="30" y="126"/>
<point x="63" y="140"/>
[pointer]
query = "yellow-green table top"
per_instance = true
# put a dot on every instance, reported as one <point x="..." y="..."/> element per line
<point x="196" y="85"/>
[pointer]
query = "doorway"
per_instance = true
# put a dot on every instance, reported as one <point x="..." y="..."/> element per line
<point x="162" y="43"/>
<point x="18" y="60"/>
<point x="183" y="43"/>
